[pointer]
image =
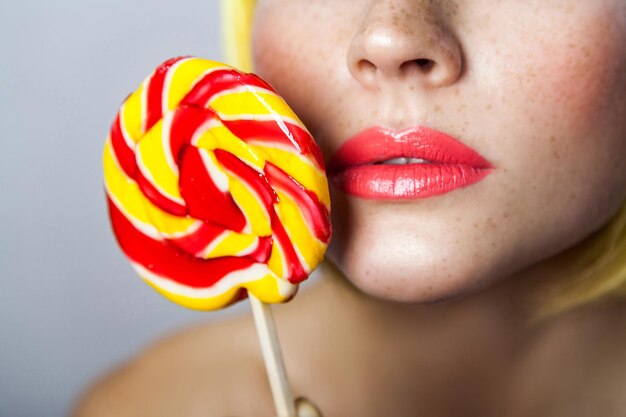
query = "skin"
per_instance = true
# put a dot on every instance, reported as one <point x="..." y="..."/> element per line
<point x="541" y="96"/>
<point x="424" y="313"/>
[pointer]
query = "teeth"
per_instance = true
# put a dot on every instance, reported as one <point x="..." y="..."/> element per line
<point x="403" y="161"/>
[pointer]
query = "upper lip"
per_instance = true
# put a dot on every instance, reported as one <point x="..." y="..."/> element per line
<point x="377" y="144"/>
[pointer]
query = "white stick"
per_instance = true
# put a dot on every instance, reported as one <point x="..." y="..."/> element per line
<point x="285" y="405"/>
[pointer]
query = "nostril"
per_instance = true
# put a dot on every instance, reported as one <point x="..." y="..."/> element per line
<point x="422" y="65"/>
<point x="366" y="66"/>
<point x="367" y="71"/>
<point x="425" y="64"/>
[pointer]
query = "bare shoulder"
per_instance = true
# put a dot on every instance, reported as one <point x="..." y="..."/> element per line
<point x="200" y="371"/>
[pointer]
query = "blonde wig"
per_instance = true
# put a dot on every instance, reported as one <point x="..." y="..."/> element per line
<point x="593" y="270"/>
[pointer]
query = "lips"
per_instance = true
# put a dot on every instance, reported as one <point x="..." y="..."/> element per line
<point x="418" y="162"/>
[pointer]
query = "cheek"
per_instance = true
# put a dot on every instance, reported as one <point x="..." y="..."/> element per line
<point x="564" y="95"/>
<point x="290" y="48"/>
<point x="275" y="38"/>
<point x="584" y="86"/>
<point x="574" y="77"/>
<point x="583" y="106"/>
<point x="299" y="47"/>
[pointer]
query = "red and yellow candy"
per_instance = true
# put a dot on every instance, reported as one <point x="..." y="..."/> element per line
<point x="215" y="188"/>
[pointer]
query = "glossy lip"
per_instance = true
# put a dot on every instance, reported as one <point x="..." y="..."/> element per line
<point x="357" y="168"/>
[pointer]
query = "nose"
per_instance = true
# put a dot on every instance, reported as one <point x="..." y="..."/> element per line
<point x="404" y="40"/>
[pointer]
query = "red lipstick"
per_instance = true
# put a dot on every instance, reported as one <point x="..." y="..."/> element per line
<point x="418" y="162"/>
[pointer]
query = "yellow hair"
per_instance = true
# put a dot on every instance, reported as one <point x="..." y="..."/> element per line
<point x="592" y="270"/>
<point x="236" y="31"/>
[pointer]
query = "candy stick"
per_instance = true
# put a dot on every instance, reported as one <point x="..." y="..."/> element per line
<point x="272" y="355"/>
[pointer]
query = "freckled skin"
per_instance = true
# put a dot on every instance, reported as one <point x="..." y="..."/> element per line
<point x="539" y="90"/>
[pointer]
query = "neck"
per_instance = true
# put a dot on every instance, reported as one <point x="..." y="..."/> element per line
<point x="471" y="345"/>
<point x="498" y="315"/>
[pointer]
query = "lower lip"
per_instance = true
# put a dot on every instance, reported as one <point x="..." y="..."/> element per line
<point x="408" y="181"/>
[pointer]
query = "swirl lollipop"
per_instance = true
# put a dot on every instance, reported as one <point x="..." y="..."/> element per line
<point x="216" y="191"/>
<point x="215" y="188"/>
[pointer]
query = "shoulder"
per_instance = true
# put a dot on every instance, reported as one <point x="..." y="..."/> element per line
<point x="199" y="371"/>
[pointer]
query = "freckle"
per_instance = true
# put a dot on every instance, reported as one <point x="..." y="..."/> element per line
<point x="552" y="138"/>
<point x="438" y="109"/>
<point x="488" y="106"/>
<point x="556" y="155"/>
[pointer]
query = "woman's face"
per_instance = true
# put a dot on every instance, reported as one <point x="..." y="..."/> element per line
<point x="536" y="88"/>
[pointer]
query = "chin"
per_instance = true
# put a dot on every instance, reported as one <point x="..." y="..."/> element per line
<point x="407" y="275"/>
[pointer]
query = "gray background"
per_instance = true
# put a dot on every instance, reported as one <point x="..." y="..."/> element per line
<point x="70" y="305"/>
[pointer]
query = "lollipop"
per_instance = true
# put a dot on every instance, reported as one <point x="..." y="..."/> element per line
<point x="215" y="188"/>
